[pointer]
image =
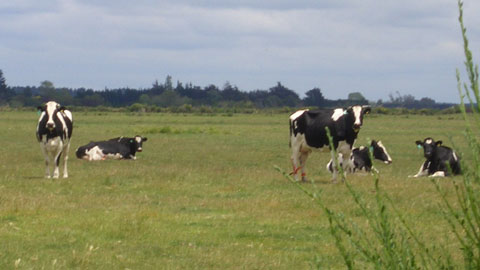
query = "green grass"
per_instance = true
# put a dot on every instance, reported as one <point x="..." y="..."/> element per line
<point x="202" y="195"/>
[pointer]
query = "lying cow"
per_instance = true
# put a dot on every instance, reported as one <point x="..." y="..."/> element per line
<point x="307" y="132"/>
<point x="441" y="160"/>
<point x="360" y="158"/>
<point x="116" y="148"/>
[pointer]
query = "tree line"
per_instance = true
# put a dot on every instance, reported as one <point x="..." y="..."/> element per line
<point x="167" y="94"/>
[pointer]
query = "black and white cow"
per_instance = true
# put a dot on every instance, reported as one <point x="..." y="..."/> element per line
<point x="360" y="158"/>
<point x="116" y="148"/>
<point x="54" y="130"/>
<point x="307" y="132"/>
<point x="438" y="159"/>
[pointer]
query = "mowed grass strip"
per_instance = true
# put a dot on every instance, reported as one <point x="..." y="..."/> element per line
<point x="202" y="195"/>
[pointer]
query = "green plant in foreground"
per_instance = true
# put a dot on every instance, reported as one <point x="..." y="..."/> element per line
<point x="387" y="244"/>
<point x="465" y="222"/>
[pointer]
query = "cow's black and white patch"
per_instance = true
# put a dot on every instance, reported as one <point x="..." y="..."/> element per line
<point x="307" y="132"/>
<point x="440" y="160"/>
<point x="360" y="157"/>
<point x="54" y="130"/>
<point x="116" y="148"/>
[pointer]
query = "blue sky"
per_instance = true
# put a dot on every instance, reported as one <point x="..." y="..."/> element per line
<point x="340" y="46"/>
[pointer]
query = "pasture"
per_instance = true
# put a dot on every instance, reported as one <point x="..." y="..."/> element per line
<point x="202" y="195"/>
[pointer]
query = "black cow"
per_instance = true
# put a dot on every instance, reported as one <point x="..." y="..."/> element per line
<point x="307" y="132"/>
<point x="54" y="130"/>
<point x="440" y="160"/>
<point x="116" y="148"/>
<point x="360" y="158"/>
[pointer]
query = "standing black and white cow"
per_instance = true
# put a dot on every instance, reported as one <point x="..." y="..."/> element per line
<point x="116" y="148"/>
<point x="307" y="132"/>
<point x="440" y="160"/>
<point x="54" y="130"/>
<point x="360" y="158"/>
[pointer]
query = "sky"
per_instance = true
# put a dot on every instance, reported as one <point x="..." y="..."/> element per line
<point x="378" y="48"/>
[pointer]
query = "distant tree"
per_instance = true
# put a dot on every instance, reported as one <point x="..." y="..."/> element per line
<point x="169" y="98"/>
<point x="5" y="92"/>
<point x="231" y="93"/>
<point x="179" y="88"/>
<point x="93" y="100"/>
<point x="145" y="99"/>
<point x="47" y="91"/>
<point x="356" y="96"/>
<point x="427" y="103"/>
<point x="285" y="96"/>
<point x="213" y="95"/>
<point x="408" y="100"/>
<point x="63" y="96"/>
<point x="157" y="89"/>
<point x="168" y="83"/>
<point x="314" y="97"/>
<point x="3" y="84"/>
<point x="258" y="97"/>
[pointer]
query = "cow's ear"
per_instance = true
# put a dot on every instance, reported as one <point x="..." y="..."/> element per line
<point x="419" y="143"/>
<point x="131" y="141"/>
<point x="366" y="109"/>
<point x="144" y="139"/>
<point x="40" y="108"/>
<point x="438" y="143"/>
<point x="62" y="108"/>
<point x="373" y="143"/>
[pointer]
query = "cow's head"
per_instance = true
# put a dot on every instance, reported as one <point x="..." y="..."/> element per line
<point x="380" y="152"/>
<point x="429" y="146"/>
<point x="49" y="112"/>
<point x="137" y="141"/>
<point x="357" y="113"/>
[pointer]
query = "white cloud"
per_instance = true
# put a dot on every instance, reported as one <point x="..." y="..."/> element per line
<point x="377" y="47"/>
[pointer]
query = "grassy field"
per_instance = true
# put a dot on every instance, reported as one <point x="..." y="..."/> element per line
<point x="202" y="195"/>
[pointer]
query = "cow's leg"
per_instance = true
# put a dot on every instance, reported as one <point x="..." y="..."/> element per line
<point x="295" y="160"/>
<point x="56" y="171"/>
<point x="438" y="174"/>
<point x="303" y="160"/>
<point x="65" y="159"/>
<point x="58" y="155"/>
<point x="330" y="166"/>
<point x="47" y="160"/>
<point x="334" y="167"/>
<point x="423" y="170"/>
<point x="344" y="152"/>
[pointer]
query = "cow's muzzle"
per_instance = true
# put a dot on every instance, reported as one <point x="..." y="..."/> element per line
<point x="356" y="128"/>
<point x="139" y="149"/>
<point x="50" y="126"/>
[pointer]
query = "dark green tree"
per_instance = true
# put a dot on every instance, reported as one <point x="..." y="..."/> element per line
<point x="231" y="93"/>
<point x="4" y="91"/>
<point x="47" y="91"/>
<point x="314" y="97"/>
<point x="168" y="83"/>
<point x="286" y="97"/>
<point x="356" y="96"/>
